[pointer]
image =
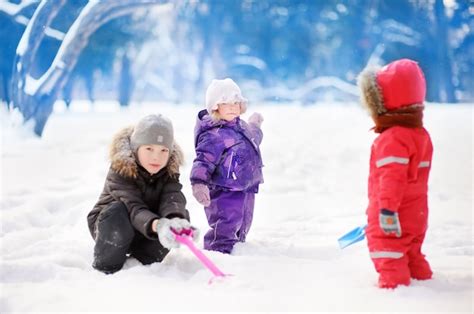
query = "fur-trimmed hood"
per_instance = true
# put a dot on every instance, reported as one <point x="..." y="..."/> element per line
<point x="371" y="95"/>
<point x="397" y="85"/>
<point x="124" y="160"/>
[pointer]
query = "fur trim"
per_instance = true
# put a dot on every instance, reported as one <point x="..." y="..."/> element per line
<point x="121" y="154"/>
<point x="124" y="161"/>
<point x="371" y="95"/>
<point x="176" y="160"/>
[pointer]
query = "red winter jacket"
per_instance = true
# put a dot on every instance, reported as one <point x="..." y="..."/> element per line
<point x="400" y="163"/>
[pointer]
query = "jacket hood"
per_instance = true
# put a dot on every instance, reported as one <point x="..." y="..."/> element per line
<point x="371" y="95"/>
<point x="205" y="122"/>
<point x="397" y="85"/>
<point x="125" y="162"/>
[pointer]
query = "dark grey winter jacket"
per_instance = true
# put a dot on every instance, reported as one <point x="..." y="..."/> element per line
<point x="147" y="197"/>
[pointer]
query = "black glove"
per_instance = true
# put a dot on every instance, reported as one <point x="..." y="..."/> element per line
<point x="389" y="222"/>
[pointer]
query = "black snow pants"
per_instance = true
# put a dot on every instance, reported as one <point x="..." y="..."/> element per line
<point x="116" y="238"/>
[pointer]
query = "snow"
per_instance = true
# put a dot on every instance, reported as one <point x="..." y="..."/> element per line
<point x="394" y="31"/>
<point x="49" y="32"/>
<point x="13" y="9"/>
<point x="316" y="167"/>
<point x="324" y="81"/>
<point x="331" y="86"/>
<point x="32" y="84"/>
<point x="251" y="61"/>
<point x="25" y="38"/>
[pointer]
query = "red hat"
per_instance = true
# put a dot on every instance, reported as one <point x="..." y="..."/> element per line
<point x="396" y="85"/>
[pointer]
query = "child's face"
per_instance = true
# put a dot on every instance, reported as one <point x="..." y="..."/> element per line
<point x="229" y="111"/>
<point x="153" y="157"/>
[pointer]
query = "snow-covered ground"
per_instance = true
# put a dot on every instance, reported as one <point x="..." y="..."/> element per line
<point x="316" y="167"/>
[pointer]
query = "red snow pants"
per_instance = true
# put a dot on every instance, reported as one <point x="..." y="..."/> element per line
<point x="397" y="259"/>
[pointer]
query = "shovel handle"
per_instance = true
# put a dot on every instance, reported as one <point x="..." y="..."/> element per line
<point x="184" y="238"/>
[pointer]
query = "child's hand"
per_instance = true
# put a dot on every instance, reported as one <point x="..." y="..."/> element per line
<point x="166" y="229"/>
<point x="389" y="222"/>
<point x="165" y="235"/>
<point x="201" y="194"/>
<point x="256" y="119"/>
<point x="196" y="233"/>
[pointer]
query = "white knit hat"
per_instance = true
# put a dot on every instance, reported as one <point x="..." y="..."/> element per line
<point x="224" y="91"/>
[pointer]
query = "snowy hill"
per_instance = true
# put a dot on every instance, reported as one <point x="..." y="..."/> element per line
<point x="316" y="168"/>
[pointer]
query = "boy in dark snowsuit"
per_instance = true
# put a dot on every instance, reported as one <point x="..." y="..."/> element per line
<point x="142" y="200"/>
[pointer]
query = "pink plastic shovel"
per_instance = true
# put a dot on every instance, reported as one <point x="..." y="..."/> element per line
<point x="184" y="237"/>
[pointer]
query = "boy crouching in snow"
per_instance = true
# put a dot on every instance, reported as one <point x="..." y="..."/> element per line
<point x="142" y="200"/>
<point x="400" y="164"/>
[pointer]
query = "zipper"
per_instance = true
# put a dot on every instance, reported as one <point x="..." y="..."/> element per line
<point x="230" y="165"/>
<point x="231" y="171"/>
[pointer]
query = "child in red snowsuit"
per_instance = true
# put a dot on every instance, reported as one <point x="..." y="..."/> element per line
<point x="400" y="163"/>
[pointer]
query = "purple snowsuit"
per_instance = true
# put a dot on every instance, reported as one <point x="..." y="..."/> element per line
<point x="228" y="161"/>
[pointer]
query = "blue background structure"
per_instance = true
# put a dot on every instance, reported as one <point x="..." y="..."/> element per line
<point x="264" y="45"/>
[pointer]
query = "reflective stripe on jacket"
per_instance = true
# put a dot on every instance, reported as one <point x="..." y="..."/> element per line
<point x="400" y="163"/>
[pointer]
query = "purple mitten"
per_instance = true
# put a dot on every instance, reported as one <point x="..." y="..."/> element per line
<point x="256" y="119"/>
<point x="201" y="194"/>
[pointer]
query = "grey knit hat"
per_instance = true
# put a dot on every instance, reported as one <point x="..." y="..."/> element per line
<point x="152" y="129"/>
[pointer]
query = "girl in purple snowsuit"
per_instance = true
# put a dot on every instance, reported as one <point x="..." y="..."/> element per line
<point x="227" y="169"/>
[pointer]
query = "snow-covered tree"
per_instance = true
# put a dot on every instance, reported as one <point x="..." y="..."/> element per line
<point x="35" y="97"/>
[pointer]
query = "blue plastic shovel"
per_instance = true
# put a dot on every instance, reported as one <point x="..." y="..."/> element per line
<point x="353" y="236"/>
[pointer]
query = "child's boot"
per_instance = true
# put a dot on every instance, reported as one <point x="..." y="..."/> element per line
<point x="420" y="269"/>
<point x="392" y="280"/>
<point x="392" y="272"/>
